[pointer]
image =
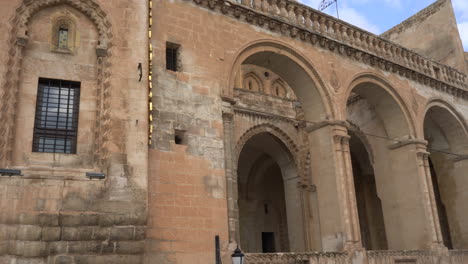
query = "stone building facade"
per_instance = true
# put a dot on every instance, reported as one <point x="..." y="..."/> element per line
<point x="137" y="131"/>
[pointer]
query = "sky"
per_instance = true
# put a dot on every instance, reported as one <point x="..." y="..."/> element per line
<point x="377" y="16"/>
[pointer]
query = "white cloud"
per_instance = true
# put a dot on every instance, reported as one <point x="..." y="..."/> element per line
<point x="463" y="29"/>
<point x="348" y="14"/>
<point x="461" y="8"/>
<point x="352" y="16"/>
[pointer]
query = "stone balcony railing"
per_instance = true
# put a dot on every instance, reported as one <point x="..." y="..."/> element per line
<point x="311" y="19"/>
<point x="301" y="21"/>
<point x="361" y="257"/>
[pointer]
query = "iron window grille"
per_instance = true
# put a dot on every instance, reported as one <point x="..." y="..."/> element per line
<point x="56" y="119"/>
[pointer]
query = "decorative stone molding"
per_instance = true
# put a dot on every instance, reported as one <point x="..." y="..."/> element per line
<point x="401" y="142"/>
<point x="258" y="258"/>
<point x="101" y="51"/>
<point x="22" y="40"/>
<point x="271" y="117"/>
<point x="9" y="89"/>
<point x="312" y="127"/>
<point x="268" y="128"/>
<point x="319" y="29"/>
<point x="460" y="158"/>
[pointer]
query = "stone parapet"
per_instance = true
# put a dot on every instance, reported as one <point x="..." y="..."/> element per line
<point x="305" y="23"/>
<point x="358" y="257"/>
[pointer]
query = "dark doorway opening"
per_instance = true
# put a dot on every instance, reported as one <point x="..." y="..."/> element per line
<point x="268" y="242"/>
<point x="370" y="212"/>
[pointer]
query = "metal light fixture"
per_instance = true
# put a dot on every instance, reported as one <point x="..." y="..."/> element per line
<point x="238" y="256"/>
<point x="95" y="175"/>
<point x="10" y="172"/>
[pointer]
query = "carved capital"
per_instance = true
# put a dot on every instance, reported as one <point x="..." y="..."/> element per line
<point x="101" y="51"/>
<point x="460" y="158"/>
<point x="337" y="123"/>
<point x="408" y="140"/>
<point x="22" y="40"/>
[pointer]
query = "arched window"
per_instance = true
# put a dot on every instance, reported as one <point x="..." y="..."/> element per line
<point x="278" y="88"/>
<point x="63" y="35"/>
<point x="252" y="82"/>
<point x="62" y="41"/>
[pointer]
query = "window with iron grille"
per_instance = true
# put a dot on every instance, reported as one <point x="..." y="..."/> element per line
<point x="56" y="120"/>
<point x="172" y="54"/>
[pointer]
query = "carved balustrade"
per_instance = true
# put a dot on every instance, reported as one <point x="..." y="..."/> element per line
<point x="297" y="258"/>
<point x="373" y="257"/>
<point x="310" y="19"/>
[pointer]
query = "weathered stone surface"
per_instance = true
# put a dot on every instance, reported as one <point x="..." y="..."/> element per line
<point x="29" y="233"/>
<point x="122" y="233"/>
<point x="129" y="247"/>
<point x="290" y="122"/>
<point x="51" y="233"/>
<point x="34" y="249"/>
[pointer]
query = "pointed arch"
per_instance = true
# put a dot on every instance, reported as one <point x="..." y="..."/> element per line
<point x="388" y="102"/>
<point x="451" y="112"/>
<point x="310" y="87"/>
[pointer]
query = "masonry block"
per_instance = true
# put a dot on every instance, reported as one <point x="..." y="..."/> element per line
<point x="51" y="233"/>
<point x="122" y="233"/>
<point x="34" y="249"/>
<point x="29" y="233"/>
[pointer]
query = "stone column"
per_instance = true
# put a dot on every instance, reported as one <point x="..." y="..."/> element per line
<point x="332" y="174"/>
<point x="423" y="162"/>
<point x="310" y="216"/>
<point x="355" y="243"/>
<point x="231" y="178"/>
<point x="410" y="214"/>
<point x="460" y="177"/>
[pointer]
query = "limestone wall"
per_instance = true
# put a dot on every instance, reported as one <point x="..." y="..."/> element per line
<point x="53" y="213"/>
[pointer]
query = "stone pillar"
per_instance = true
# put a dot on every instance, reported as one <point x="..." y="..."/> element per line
<point x="231" y="178"/>
<point x="310" y="213"/>
<point x="425" y="171"/>
<point x="460" y="177"/>
<point x="332" y="174"/>
<point x="410" y="213"/>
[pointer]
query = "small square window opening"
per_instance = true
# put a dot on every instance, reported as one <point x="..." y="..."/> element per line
<point x="172" y="56"/>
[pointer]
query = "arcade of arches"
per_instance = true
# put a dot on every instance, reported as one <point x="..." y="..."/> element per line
<point x="301" y="182"/>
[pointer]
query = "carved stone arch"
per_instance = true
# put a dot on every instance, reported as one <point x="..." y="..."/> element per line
<point x="284" y="138"/>
<point x="449" y="121"/>
<point x="447" y="106"/>
<point x="18" y="39"/>
<point x="253" y="83"/>
<point x="363" y="138"/>
<point x="361" y="79"/>
<point x="60" y="22"/>
<point x="279" y="89"/>
<point x="284" y="49"/>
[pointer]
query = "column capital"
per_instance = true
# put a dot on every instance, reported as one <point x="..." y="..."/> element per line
<point x="307" y="186"/>
<point x="101" y="50"/>
<point x="22" y="40"/>
<point x="227" y="109"/>
<point x="460" y="158"/>
<point x="337" y="125"/>
<point x="421" y="144"/>
<point x="340" y="138"/>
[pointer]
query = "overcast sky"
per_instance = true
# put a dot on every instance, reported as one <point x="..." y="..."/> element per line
<point x="377" y="16"/>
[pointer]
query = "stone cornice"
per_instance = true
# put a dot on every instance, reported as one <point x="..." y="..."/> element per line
<point x="302" y="22"/>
